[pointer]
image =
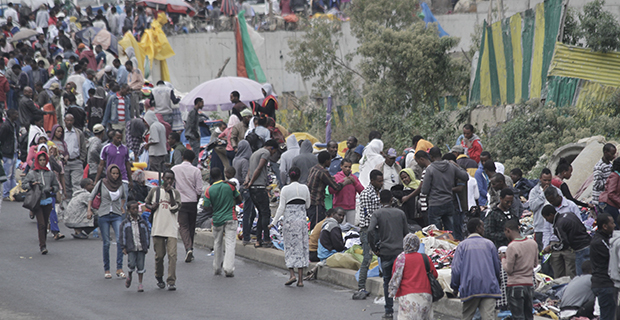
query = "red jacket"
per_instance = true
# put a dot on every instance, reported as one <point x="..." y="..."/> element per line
<point x="415" y="279"/>
<point x="611" y="195"/>
<point x="4" y="88"/>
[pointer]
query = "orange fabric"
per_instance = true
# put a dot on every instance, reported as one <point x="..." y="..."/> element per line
<point x="270" y="97"/>
<point x="49" y="120"/>
<point x="241" y="70"/>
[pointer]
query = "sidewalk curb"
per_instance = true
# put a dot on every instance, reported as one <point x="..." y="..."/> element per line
<point x="338" y="276"/>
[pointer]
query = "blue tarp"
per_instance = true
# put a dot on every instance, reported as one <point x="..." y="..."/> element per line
<point x="429" y="17"/>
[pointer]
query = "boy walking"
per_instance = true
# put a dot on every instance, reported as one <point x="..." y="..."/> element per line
<point x="134" y="240"/>
<point x="164" y="203"/>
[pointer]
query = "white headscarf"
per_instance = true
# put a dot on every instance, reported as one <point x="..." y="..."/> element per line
<point x="371" y="157"/>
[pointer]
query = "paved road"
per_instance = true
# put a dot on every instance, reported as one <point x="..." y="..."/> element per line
<point x="68" y="283"/>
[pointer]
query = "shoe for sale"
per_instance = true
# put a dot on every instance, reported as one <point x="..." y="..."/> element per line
<point x="189" y="256"/>
<point x="160" y="282"/>
<point x="361" y="294"/>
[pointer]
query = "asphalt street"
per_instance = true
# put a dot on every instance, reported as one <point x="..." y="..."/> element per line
<point x="68" y="283"/>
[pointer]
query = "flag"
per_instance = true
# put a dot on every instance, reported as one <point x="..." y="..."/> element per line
<point x="252" y="65"/>
<point x="241" y="71"/>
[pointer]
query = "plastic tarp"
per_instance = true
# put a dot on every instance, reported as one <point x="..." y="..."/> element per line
<point x="430" y="18"/>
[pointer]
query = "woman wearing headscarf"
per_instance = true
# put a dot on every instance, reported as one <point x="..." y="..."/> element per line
<point x="410" y="283"/>
<point x="405" y="194"/>
<point x="110" y="213"/>
<point x="57" y="167"/>
<point x="43" y="177"/>
<point x="370" y="159"/>
<point x="270" y="103"/>
<point x="57" y="136"/>
<point x="294" y="201"/>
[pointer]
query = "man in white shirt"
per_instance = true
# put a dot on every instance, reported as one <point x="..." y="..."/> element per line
<point x="76" y="147"/>
<point x="390" y="169"/>
<point x="11" y="12"/>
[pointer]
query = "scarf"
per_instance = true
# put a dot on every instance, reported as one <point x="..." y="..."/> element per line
<point x="37" y="166"/>
<point x="65" y="151"/>
<point x="415" y="183"/>
<point x="112" y="185"/>
<point x="411" y="244"/>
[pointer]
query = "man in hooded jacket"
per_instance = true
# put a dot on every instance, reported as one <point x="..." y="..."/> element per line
<point x="157" y="142"/>
<point x="241" y="163"/>
<point x="286" y="160"/>
<point x="305" y="160"/>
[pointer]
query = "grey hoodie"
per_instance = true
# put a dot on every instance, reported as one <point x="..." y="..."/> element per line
<point x="286" y="160"/>
<point x="305" y="160"/>
<point x="439" y="180"/>
<point x="241" y="162"/>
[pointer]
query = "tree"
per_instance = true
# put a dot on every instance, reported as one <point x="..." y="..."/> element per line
<point x="599" y="28"/>
<point x="405" y="66"/>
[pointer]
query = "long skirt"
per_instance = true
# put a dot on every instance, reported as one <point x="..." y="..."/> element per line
<point x="415" y="306"/>
<point x="295" y="234"/>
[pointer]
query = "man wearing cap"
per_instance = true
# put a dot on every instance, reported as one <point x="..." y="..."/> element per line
<point x="237" y="133"/>
<point x="95" y="145"/>
<point x="88" y="84"/>
<point x="390" y="169"/>
<point x="463" y="160"/>
<point x="108" y="76"/>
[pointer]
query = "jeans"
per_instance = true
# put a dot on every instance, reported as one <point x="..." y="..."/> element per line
<point x="581" y="256"/>
<point x="441" y="216"/>
<point x="260" y="198"/>
<point x="607" y="298"/>
<point x="387" y="263"/>
<point x="54" y="218"/>
<point x="458" y="225"/>
<point x="114" y="220"/>
<point x="520" y="302"/>
<point x="195" y="144"/>
<point x="227" y="234"/>
<point x="9" y="169"/>
<point x="366" y="260"/>
<point x="135" y="260"/>
<point x="248" y="214"/>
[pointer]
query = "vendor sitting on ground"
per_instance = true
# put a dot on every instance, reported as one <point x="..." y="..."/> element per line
<point x="75" y="215"/>
<point x="313" y="239"/>
<point x="330" y="240"/>
<point x="578" y="299"/>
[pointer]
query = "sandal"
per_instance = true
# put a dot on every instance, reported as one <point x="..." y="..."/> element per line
<point x="120" y="274"/>
<point x="59" y="236"/>
<point x="258" y="245"/>
<point x="108" y="275"/>
<point x="300" y="284"/>
<point x="290" y="281"/>
<point x="31" y="215"/>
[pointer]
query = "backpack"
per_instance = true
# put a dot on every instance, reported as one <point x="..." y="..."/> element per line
<point x="256" y="142"/>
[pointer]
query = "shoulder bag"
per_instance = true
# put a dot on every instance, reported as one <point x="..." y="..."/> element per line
<point x="436" y="289"/>
<point x="33" y="198"/>
<point x="97" y="201"/>
<point x="152" y="215"/>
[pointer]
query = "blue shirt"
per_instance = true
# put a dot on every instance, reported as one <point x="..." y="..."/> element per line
<point x="121" y="75"/>
<point x="335" y="166"/>
<point x="88" y="84"/>
<point x="483" y="185"/>
<point x="476" y="269"/>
